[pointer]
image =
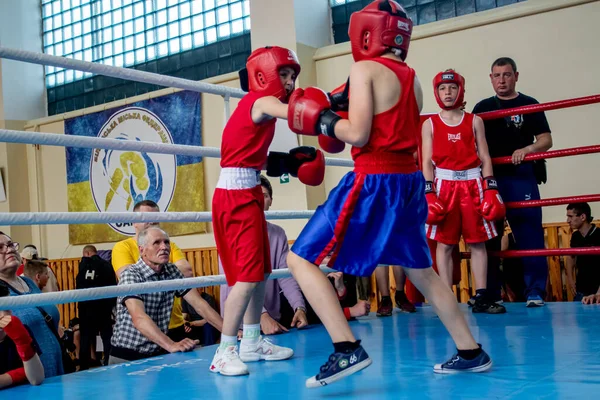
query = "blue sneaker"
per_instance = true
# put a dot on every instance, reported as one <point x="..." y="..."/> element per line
<point x="338" y="366"/>
<point x="457" y="364"/>
<point x="535" y="300"/>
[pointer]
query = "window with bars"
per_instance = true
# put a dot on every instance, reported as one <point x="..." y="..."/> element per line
<point x="420" y="11"/>
<point x="191" y="39"/>
<point x="126" y="33"/>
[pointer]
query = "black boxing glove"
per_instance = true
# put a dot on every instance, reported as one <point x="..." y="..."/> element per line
<point x="340" y="97"/>
<point x="305" y="163"/>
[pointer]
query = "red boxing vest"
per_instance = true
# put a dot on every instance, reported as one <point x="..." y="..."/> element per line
<point x="246" y="144"/>
<point x="454" y="147"/>
<point x="396" y="130"/>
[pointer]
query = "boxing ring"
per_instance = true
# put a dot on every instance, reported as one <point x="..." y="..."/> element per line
<point x="552" y="351"/>
<point x="554" y="357"/>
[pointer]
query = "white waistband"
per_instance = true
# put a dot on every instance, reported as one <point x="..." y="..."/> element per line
<point x="238" y="178"/>
<point x="451" y="175"/>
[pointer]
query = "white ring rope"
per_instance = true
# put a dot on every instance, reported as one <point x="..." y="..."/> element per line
<point x="227" y="108"/>
<point x="119" y="72"/>
<point x="53" y="139"/>
<point x="65" y="218"/>
<point x="73" y="296"/>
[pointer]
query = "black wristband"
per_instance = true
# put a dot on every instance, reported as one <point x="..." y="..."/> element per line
<point x="428" y="187"/>
<point x="326" y="124"/>
<point x="490" y="183"/>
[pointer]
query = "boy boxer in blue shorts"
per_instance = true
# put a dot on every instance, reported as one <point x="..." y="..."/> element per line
<point x="376" y="215"/>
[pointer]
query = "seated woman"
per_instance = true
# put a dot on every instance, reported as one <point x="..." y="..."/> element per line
<point x="19" y="362"/>
<point x="45" y="333"/>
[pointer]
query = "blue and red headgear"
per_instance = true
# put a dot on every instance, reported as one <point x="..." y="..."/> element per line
<point x="262" y="71"/>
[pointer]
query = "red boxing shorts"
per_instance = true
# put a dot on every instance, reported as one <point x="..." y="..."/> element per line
<point x="461" y="192"/>
<point x="240" y="226"/>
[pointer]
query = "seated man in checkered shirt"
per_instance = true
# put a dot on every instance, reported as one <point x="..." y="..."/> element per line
<point x="143" y="320"/>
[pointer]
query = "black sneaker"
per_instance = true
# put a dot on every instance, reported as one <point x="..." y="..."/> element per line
<point x="483" y="306"/>
<point x="338" y="366"/>
<point x="473" y="299"/>
<point x="457" y="364"/>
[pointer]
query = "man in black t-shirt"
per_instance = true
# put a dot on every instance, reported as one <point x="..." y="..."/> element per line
<point x="95" y="316"/>
<point x="586" y="234"/>
<point x="517" y="136"/>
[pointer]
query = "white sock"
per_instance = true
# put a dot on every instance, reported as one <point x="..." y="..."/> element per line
<point x="227" y="341"/>
<point x="251" y="334"/>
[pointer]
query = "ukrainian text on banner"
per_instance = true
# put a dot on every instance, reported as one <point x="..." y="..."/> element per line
<point x="112" y="180"/>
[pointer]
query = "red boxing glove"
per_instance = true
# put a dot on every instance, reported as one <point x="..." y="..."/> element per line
<point x="18" y="376"/>
<point x="17" y="332"/>
<point x="436" y="211"/>
<point x="492" y="207"/>
<point x="310" y="165"/>
<point x="309" y="113"/>
<point x="339" y="103"/>
<point x="331" y="145"/>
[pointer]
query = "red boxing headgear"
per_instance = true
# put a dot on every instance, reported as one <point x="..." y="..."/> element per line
<point x="449" y="76"/>
<point x="378" y="27"/>
<point x="263" y="67"/>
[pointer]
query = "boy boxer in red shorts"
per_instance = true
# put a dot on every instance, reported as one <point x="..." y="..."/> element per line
<point x="460" y="201"/>
<point x="239" y="221"/>
<point x="376" y="215"/>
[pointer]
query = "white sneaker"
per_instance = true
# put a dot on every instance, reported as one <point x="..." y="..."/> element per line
<point x="227" y="362"/>
<point x="535" y="301"/>
<point x="264" y="350"/>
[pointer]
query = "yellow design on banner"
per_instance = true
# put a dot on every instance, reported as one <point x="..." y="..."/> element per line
<point x="189" y="177"/>
<point x="114" y="181"/>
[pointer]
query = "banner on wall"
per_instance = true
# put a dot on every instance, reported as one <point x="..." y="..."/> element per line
<point x="114" y="181"/>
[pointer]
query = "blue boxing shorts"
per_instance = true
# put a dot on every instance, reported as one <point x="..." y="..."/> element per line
<point x="375" y="216"/>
